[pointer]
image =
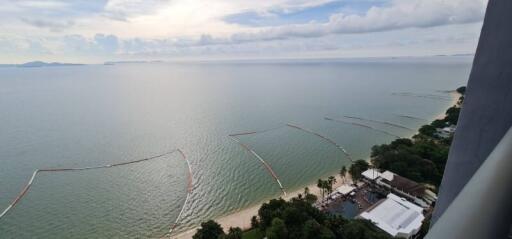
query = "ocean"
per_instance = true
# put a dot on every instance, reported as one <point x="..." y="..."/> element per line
<point x="83" y="116"/>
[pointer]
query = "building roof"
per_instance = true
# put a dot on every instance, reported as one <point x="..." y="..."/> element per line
<point x="388" y="175"/>
<point x="406" y="185"/>
<point x="396" y="216"/>
<point x="371" y="174"/>
<point x="345" y="189"/>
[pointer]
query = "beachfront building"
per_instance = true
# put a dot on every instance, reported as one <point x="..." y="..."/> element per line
<point x="345" y="189"/>
<point x="396" y="216"/>
<point x="445" y="132"/>
<point x="402" y="186"/>
<point x="371" y="174"/>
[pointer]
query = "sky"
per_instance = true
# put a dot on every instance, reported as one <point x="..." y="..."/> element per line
<point x="94" y="31"/>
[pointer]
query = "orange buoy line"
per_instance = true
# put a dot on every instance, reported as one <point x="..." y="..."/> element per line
<point x="30" y="182"/>
<point x="190" y="187"/>
<point x="255" y="132"/>
<point x="265" y="164"/>
<point x="325" y="138"/>
<point x="380" y="122"/>
<point x="362" y="125"/>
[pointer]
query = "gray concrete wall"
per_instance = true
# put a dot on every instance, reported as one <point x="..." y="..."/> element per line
<point x="487" y="111"/>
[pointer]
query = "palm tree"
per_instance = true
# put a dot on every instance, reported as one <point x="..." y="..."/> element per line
<point x="343" y="172"/>
<point x="330" y="182"/>
<point x="320" y="184"/>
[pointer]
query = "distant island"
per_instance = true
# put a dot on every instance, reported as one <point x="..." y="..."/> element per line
<point x="40" y="64"/>
<point x="44" y="64"/>
<point x="129" y="62"/>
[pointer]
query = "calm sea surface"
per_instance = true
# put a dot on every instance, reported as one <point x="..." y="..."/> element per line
<point x="95" y="115"/>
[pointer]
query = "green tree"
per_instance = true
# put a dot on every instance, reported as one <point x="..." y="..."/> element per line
<point x="313" y="230"/>
<point x="254" y="222"/>
<point x="357" y="168"/>
<point x="461" y="90"/>
<point x="363" y="229"/>
<point x="428" y="130"/>
<point x="310" y="198"/>
<point x="321" y="185"/>
<point x="233" y="233"/>
<point x="209" y="230"/>
<point x="330" y="182"/>
<point x="343" y="173"/>
<point x="278" y="230"/>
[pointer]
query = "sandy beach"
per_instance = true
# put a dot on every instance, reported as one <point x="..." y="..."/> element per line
<point x="242" y="218"/>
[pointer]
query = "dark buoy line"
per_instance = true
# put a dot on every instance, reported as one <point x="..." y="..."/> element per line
<point x="37" y="171"/>
<point x="379" y="122"/>
<point x="265" y="164"/>
<point x="325" y="138"/>
<point x="255" y="132"/>
<point x="426" y="96"/>
<point x="362" y="125"/>
<point x="410" y="117"/>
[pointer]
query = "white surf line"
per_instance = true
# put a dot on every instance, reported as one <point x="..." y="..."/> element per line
<point x="31" y="181"/>
<point x="267" y="166"/>
<point x="379" y="122"/>
<point x="255" y="132"/>
<point x="325" y="138"/>
<point x="363" y="126"/>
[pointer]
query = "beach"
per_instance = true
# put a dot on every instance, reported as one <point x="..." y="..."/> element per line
<point x="242" y="218"/>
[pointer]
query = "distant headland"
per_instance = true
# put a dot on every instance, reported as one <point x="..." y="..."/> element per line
<point x="40" y="64"/>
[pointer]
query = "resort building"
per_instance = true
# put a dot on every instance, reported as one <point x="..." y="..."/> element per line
<point x="402" y="186"/>
<point x="445" y="132"/>
<point x="396" y="216"/>
<point x="345" y="189"/>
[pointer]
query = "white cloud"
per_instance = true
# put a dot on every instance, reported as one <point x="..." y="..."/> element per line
<point x="175" y="28"/>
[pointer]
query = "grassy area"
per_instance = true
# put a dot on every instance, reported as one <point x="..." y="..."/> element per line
<point x="253" y="234"/>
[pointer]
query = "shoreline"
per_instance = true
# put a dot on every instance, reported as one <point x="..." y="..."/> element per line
<point x="242" y="217"/>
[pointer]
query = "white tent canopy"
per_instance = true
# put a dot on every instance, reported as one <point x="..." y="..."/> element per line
<point x="345" y="189"/>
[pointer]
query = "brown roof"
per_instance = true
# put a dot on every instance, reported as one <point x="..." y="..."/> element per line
<point x="406" y="185"/>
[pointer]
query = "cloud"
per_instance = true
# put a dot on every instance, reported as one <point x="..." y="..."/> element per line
<point x="399" y="14"/>
<point x="120" y="28"/>
<point x="107" y="43"/>
<point x="122" y="10"/>
<point x="54" y="26"/>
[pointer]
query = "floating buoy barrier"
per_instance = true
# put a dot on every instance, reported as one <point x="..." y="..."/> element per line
<point x="379" y="122"/>
<point x="426" y="96"/>
<point x="362" y="125"/>
<point x="255" y="132"/>
<point x="189" y="192"/>
<point x="325" y="138"/>
<point x="267" y="166"/>
<point x="37" y="171"/>
<point x="411" y="117"/>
